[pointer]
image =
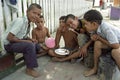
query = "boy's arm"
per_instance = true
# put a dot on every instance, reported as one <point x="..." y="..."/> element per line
<point x="111" y="38"/>
<point x="11" y="37"/>
<point x="33" y="34"/>
<point x="88" y="43"/>
<point x="115" y="45"/>
<point x="48" y="34"/>
<point x="34" y="39"/>
<point x="83" y="49"/>
<point x="57" y="38"/>
<point x="96" y="37"/>
<point x="77" y="46"/>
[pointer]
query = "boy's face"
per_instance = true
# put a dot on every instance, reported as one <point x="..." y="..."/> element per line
<point x="62" y="23"/>
<point x="73" y="23"/>
<point x="90" y="26"/>
<point x="40" y="23"/>
<point x="34" y="14"/>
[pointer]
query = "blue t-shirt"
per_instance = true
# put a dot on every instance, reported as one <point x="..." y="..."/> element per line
<point x="109" y="32"/>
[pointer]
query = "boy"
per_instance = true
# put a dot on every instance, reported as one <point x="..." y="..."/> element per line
<point x="70" y="38"/>
<point x="15" y="40"/>
<point x="78" y="26"/>
<point x="39" y="34"/>
<point x="79" y="29"/>
<point x="107" y="36"/>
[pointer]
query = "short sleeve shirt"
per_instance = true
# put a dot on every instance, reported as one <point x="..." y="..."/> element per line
<point x="109" y="32"/>
<point x="18" y="27"/>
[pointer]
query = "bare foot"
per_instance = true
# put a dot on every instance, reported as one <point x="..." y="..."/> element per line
<point x="32" y="72"/>
<point x="41" y="54"/>
<point x="57" y="59"/>
<point x="90" y="72"/>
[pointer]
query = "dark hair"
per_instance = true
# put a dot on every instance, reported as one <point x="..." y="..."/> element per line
<point x="69" y="16"/>
<point x="33" y="5"/>
<point x="41" y="16"/>
<point x="62" y="18"/>
<point x="93" y="16"/>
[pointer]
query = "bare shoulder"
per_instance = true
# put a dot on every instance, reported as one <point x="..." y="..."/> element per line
<point x="59" y="28"/>
<point x="46" y="29"/>
<point x="34" y="29"/>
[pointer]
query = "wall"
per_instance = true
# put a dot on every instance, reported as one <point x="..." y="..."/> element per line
<point x="52" y="10"/>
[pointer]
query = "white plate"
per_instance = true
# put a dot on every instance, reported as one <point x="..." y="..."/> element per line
<point x="62" y="51"/>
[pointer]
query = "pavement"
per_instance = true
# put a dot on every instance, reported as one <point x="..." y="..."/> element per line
<point x="50" y="70"/>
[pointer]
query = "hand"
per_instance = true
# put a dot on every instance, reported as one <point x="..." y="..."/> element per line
<point x="94" y="37"/>
<point x="27" y="41"/>
<point x="83" y="51"/>
<point x="34" y="40"/>
<point x="45" y="48"/>
<point x="57" y="46"/>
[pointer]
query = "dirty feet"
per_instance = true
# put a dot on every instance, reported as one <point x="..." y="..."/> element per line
<point x="32" y="72"/>
<point x="90" y="72"/>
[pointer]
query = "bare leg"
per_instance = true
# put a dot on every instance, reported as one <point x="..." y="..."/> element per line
<point x="116" y="56"/>
<point x="72" y="56"/>
<point x="97" y="53"/>
<point x="41" y="54"/>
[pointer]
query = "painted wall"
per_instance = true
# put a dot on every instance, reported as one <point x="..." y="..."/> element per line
<point x="52" y="10"/>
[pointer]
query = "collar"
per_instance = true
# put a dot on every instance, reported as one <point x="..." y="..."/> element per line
<point x="26" y="19"/>
<point x="99" y="28"/>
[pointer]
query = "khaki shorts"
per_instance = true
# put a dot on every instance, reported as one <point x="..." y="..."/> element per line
<point x="82" y="39"/>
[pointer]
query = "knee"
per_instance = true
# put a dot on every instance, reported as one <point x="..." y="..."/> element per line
<point x="115" y="52"/>
<point x="98" y="44"/>
<point x="51" y="52"/>
<point x="30" y="45"/>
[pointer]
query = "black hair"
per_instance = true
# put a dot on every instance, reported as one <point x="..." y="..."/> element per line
<point x="69" y="16"/>
<point x="93" y="16"/>
<point x="33" y="5"/>
<point x="41" y="16"/>
<point x="62" y="18"/>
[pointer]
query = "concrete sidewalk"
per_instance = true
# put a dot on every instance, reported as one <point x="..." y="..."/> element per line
<point x="53" y="71"/>
<point x="59" y="70"/>
<point x="50" y="70"/>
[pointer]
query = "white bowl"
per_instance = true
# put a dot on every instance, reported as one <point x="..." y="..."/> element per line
<point x="62" y="51"/>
